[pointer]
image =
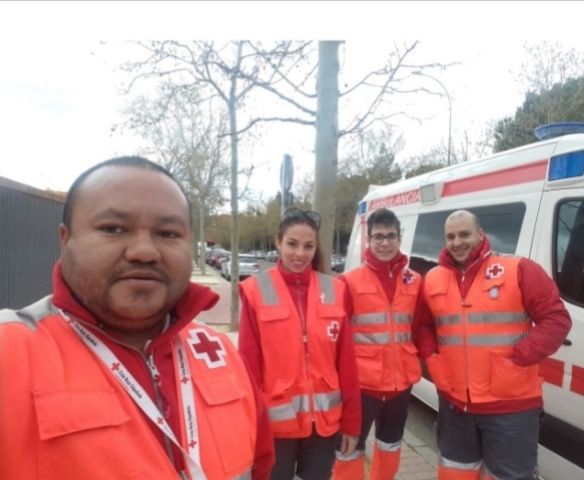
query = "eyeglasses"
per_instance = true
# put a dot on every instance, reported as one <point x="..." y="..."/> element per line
<point x="379" y="237"/>
<point x="294" y="213"/>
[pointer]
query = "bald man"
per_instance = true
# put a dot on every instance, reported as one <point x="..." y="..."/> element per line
<point x="487" y="323"/>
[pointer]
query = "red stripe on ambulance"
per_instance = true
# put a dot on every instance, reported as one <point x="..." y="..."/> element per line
<point x="552" y="371"/>
<point x="577" y="383"/>
<point x="502" y="178"/>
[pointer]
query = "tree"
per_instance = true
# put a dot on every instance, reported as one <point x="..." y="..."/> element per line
<point x="190" y="144"/>
<point x="547" y="64"/>
<point x="562" y="103"/>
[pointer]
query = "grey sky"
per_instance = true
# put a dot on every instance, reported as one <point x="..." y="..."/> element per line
<point x="59" y="95"/>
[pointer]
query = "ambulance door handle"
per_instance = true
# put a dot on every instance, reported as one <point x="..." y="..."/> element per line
<point x="567" y="342"/>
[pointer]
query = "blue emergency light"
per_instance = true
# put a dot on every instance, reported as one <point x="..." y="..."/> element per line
<point x="362" y="208"/>
<point x="551" y="130"/>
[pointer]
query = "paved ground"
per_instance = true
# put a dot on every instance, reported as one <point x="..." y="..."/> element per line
<point x="418" y="460"/>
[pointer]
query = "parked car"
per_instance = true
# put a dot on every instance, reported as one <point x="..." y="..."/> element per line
<point x="272" y="255"/>
<point x="248" y="265"/>
<point x="337" y="263"/>
<point x="217" y="257"/>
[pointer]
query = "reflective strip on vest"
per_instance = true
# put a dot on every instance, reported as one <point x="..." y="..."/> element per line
<point x="324" y="402"/>
<point x="244" y="476"/>
<point x="498" y="317"/>
<point x="495" y="340"/>
<point x="267" y="289"/>
<point x="372" y="338"/>
<point x="451" y="319"/>
<point x="327" y="289"/>
<point x="289" y="411"/>
<point x="403" y="337"/>
<point x="460" y="465"/>
<point x="387" y="447"/>
<point x="369" y="319"/>
<point x="449" y="340"/>
<point x="402" y="318"/>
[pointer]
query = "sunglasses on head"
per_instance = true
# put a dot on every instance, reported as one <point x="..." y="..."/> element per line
<point x="297" y="214"/>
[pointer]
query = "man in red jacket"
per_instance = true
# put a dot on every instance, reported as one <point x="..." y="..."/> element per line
<point x="489" y="321"/>
<point x="382" y="300"/>
<point x="110" y="377"/>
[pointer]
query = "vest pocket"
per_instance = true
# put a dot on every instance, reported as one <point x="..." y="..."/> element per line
<point x="410" y="363"/>
<point x="80" y="431"/>
<point x="369" y="365"/>
<point x="228" y="412"/>
<point x="439" y="372"/>
<point x="508" y="380"/>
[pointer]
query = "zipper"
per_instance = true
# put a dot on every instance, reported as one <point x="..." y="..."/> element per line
<point x="300" y="308"/>
<point x="154" y="377"/>
<point x="392" y="344"/>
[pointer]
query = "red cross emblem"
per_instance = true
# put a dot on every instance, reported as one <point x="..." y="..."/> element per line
<point x="333" y="330"/>
<point x="408" y="277"/>
<point x="115" y="366"/>
<point x="184" y="380"/>
<point x="160" y="420"/>
<point x="494" y="271"/>
<point x="207" y="347"/>
<point x="192" y="444"/>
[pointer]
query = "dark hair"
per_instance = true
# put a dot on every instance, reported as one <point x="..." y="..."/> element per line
<point x="384" y="217"/>
<point x="130" y="161"/>
<point x="295" y="216"/>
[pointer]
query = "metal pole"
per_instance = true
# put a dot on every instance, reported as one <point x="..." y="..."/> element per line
<point x="449" y="110"/>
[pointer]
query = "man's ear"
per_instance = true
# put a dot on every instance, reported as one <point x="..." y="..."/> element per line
<point x="481" y="233"/>
<point x="64" y="235"/>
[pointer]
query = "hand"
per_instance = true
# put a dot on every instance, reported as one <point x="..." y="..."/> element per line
<point x="348" y="444"/>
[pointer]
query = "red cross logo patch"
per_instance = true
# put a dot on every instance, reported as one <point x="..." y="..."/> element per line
<point x="495" y="271"/>
<point x="207" y="348"/>
<point x="333" y="330"/>
<point x="408" y="276"/>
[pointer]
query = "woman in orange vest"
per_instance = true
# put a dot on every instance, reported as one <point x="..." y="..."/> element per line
<point x="296" y="339"/>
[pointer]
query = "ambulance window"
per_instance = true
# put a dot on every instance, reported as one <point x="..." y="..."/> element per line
<point x="569" y="250"/>
<point x="501" y="222"/>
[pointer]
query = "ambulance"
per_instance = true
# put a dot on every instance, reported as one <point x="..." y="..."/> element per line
<point x="530" y="201"/>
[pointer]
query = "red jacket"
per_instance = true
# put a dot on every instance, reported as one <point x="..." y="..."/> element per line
<point x="542" y="302"/>
<point x="250" y="349"/>
<point x="196" y="299"/>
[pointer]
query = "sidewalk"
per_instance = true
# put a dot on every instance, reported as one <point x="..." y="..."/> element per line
<point x="418" y="460"/>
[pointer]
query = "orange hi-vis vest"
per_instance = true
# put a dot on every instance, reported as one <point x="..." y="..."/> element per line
<point x="300" y="380"/>
<point x="476" y="334"/>
<point x="382" y="331"/>
<point x="64" y="416"/>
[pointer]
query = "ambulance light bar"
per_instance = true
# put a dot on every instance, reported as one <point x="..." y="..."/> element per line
<point x="568" y="165"/>
<point x="431" y="192"/>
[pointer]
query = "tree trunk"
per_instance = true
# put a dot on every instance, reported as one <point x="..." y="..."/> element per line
<point x="202" y="243"/>
<point x="234" y="321"/>
<point x="327" y="141"/>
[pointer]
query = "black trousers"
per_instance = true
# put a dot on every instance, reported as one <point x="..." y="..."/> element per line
<point x="505" y="444"/>
<point x="309" y="458"/>
<point x="389" y="417"/>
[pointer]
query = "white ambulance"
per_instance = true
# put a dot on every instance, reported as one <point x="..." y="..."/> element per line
<point x="530" y="201"/>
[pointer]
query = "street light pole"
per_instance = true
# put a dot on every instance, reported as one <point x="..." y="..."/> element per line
<point x="449" y="110"/>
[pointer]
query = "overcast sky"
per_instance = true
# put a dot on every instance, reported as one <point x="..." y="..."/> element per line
<point x="59" y="85"/>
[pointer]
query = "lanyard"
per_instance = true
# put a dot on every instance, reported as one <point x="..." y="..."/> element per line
<point x="143" y="400"/>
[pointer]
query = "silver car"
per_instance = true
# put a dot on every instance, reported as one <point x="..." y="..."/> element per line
<point x="248" y="265"/>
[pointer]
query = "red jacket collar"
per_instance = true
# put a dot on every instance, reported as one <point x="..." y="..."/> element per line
<point x="291" y="278"/>
<point x="196" y="299"/>
<point x="393" y="266"/>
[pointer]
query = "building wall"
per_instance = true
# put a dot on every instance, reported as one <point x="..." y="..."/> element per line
<point x="29" y="242"/>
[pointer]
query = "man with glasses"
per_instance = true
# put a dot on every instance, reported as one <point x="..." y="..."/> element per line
<point x="383" y="295"/>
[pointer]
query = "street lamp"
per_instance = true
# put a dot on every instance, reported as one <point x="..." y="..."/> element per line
<point x="449" y="109"/>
